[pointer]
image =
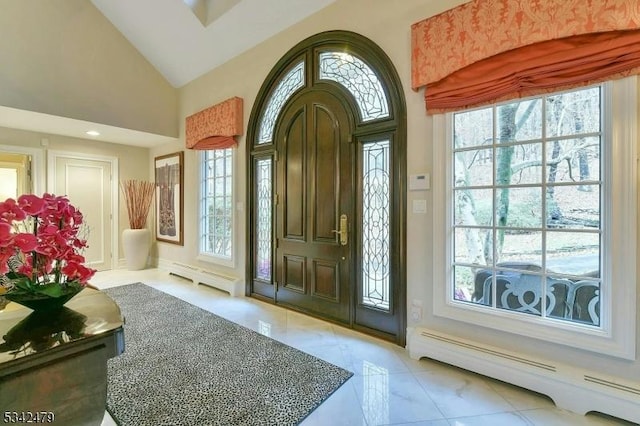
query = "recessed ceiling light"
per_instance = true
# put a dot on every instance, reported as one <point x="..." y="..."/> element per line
<point x="93" y="133"/>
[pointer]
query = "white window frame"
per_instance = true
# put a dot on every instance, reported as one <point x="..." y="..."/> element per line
<point x="617" y="332"/>
<point x="211" y="257"/>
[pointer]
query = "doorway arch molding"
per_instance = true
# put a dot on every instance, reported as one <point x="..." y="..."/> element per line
<point x="374" y="118"/>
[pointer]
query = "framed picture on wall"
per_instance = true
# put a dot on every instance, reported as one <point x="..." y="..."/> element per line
<point x="170" y="198"/>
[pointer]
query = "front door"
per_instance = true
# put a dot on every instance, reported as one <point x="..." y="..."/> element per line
<point x="326" y="146"/>
<point x="315" y="206"/>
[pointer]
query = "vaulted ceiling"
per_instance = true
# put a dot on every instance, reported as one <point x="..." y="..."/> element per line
<point x="184" y="39"/>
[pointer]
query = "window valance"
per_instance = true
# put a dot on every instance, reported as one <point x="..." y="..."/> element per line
<point x="482" y="30"/>
<point x="216" y="126"/>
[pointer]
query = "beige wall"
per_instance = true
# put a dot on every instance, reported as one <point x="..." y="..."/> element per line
<point x="388" y="24"/>
<point x="64" y="58"/>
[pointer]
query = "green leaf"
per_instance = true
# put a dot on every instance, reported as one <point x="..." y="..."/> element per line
<point x="24" y="283"/>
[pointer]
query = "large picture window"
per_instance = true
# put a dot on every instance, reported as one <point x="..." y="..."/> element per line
<point x="216" y="205"/>
<point x="531" y="188"/>
<point x="527" y="206"/>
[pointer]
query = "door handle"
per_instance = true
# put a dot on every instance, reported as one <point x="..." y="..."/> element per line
<point x="342" y="232"/>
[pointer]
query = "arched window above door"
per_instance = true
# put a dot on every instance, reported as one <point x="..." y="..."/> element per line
<point x="359" y="79"/>
<point x="290" y="82"/>
<point x="348" y="70"/>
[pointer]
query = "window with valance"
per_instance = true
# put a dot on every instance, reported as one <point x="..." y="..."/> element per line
<point x="490" y="50"/>
<point x="534" y="119"/>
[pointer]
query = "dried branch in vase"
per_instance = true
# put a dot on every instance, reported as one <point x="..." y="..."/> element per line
<point x="138" y="196"/>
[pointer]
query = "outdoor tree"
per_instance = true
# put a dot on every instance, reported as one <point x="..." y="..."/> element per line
<point x="518" y="159"/>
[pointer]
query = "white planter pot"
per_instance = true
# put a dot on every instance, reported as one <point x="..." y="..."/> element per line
<point x="136" y="244"/>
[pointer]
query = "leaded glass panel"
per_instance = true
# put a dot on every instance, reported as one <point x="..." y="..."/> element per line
<point x="375" y="224"/>
<point x="264" y="184"/>
<point x="357" y="77"/>
<point x="291" y="82"/>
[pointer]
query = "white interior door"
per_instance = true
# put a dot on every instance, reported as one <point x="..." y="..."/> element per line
<point x="88" y="183"/>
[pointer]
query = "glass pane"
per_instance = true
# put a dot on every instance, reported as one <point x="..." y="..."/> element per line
<point x="584" y="302"/>
<point x="264" y="209"/>
<point x="473" y="245"/>
<point x="520" y="249"/>
<point x="574" y="253"/>
<point x="291" y="82"/>
<point x="228" y="164"/>
<point x="8" y="183"/>
<point x="573" y="207"/>
<point x="464" y="288"/>
<point x="473" y="207"/>
<point x="573" y="160"/>
<point x="519" y="164"/>
<point x="375" y="225"/>
<point x="519" y="121"/>
<point x="473" y="168"/>
<point x="473" y="128"/>
<point x="359" y="79"/>
<point x="519" y="292"/>
<point x="573" y="113"/>
<point x="219" y="167"/>
<point x="519" y="207"/>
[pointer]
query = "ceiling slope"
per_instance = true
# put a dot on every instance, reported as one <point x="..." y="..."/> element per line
<point x="174" y="40"/>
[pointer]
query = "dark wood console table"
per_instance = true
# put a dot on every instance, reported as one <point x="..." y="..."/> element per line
<point x="53" y="366"/>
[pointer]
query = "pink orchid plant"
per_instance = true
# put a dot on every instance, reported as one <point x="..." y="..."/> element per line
<point x="40" y="246"/>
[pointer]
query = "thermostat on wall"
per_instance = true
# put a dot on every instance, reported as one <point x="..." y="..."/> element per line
<point x="420" y="182"/>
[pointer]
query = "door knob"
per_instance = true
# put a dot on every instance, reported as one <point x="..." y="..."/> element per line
<point x="342" y="232"/>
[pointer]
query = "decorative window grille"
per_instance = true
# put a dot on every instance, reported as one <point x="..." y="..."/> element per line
<point x="264" y="197"/>
<point x="291" y="82"/>
<point x="375" y="224"/>
<point x="359" y="79"/>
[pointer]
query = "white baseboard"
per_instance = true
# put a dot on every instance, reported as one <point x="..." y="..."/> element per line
<point x="571" y="388"/>
<point x="232" y="285"/>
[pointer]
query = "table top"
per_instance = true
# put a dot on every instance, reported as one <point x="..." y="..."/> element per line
<point x="24" y="332"/>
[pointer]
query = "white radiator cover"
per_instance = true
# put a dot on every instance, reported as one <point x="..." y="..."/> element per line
<point x="234" y="286"/>
<point x="571" y="388"/>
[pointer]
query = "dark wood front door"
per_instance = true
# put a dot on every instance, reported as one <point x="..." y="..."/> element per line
<point x="314" y="214"/>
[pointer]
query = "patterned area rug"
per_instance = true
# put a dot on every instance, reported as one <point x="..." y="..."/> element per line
<point x="183" y="365"/>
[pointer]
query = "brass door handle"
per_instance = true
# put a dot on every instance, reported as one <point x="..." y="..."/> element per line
<point x="342" y="232"/>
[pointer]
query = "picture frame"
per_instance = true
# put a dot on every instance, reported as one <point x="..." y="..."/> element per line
<point x="169" y="180"/>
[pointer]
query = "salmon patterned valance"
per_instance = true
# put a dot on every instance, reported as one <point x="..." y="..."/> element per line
<point x="215" y="127"/>
<point x="480" y="29"/>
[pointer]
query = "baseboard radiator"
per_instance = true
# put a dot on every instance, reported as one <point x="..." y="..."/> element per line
<point x="571" y="388"/>
<point x="233" y="286"/>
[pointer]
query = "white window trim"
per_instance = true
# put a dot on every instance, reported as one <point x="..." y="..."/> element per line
<point x="229" y="262"/>
<point x="617" y="334"/>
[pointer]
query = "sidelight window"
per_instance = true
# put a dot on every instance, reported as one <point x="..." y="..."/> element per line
<point x="376" y="205"/>
<point x="216" y="204"/>
<point x="264" y="202"/>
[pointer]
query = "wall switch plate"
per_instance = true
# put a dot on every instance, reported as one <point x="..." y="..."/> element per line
<point x="420" y="206"/>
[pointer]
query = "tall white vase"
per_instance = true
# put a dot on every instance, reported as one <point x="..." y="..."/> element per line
<point x="136" y="244"/>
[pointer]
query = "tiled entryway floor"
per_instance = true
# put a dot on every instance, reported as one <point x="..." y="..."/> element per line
<point x="388" y="388"/>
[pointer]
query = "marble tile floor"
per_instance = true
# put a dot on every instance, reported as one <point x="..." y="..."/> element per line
<point x="388" y="388"/>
